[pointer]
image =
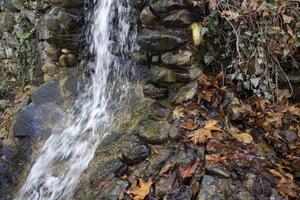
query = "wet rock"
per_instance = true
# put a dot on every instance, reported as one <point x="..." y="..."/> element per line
<point x="66" y="3"/>
<point x="147" y="17"/>
<point x="212" y="188"/>
<point x="48" y="78"/>
<point x="24" y="125"/>
<point x="18" y="4"/>
<point x="160" y="40"/>
<point x="174" y="133"/>
<point x="157" y="161"/>
<point x="185" y="93"/>
<point x="136" y="154"/>
<point x="179" y="57"/>
<point x="30" y="15"/>
<point x="159" y="112"/>
<point x="114" y="167"/>
<point x="178" y="18"/>
<point x="114" y="190"/>
<point x="69" y="86"/>
<point x="6" y="21"/>
<point x="163" y="6"/>
<point x="140" y="57"/>
<point x="68" y="60"/>
<point x="69" y="21"/>
<point x="48" y="92"/>
<point x="218" y="169"/>
<point x="155" y="92"/>
<point x="184" y="192"/>
<point x="154" y="132"/>
<point x="51" y="21"/>
<point x="50" y="68"/>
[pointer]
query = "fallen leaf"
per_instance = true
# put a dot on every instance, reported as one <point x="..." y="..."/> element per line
<point x="200" y="136"/>
<point x="186" y="172"/>
<point x="283" y="95"/>
<point x="212" y="5"/>
<point x="190" y="125"/>
<point x="207" y="95"/>
<point x="178" y="112"/>
<point x="215" y="159"/>
<point x="230" y="15"/>
<point x="212" y="125"/>
<point x="287" y="19"/>
<point x="244" y="138"/>
<point x="140" y="192"/>
<point x="165" y="169"/>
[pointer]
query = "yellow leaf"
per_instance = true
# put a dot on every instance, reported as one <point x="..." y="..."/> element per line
<point x="287" y="19"/>
<point x="178" y="113"/>
<point x="212" y="125"/>
<point x="244" y="137"/>
<point x="140" y="192"/>
<point x="200" y="136"/>
<point x="197" y="33"/>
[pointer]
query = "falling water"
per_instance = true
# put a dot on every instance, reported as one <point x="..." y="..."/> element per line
<point x="67" y="153"/>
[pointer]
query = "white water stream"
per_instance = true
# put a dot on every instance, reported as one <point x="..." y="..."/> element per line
<point x="66" y="154"/>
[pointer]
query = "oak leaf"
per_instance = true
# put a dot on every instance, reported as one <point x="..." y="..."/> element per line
<point x="140" y="192"/>
<point x="190" y="125"/>
<point x="215" y="159"/>
<point x="186" y="172"/>
<point x="200" y="136"/>
<point x="212" y="125"/>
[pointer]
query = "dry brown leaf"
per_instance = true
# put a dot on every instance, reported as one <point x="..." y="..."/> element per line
<point x="212" y="5"/>
<point x="241" y="137"/>
<point x="260" y="103"/>
<point x="190" y="125"/>
<point x="283" y="95"/>
<point x="186" y="172"/>
<point x="178" y="112"/>
<point x="200" y="136"/>
<point x="165" y="169"/>
<point x="230" y="15"/>
<point x="287" y="19"/>
<point x="214" y="159"/>
<point x="207" y="95"/>
<point x="140" y="192"/>
<point x="212" y="125"/>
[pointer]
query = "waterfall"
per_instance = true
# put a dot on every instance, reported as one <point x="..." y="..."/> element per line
<point x="67" y="153"/>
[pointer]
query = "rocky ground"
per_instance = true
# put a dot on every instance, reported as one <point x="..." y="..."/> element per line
<point x="185" y="135"/>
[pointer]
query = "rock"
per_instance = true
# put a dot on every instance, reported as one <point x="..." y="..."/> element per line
<point x="48" y="78"/>
<point x="51" y="52"/>
<point x="30" y="15"/>
<point x="68" y="60"/>
<point x="69" y="86"/>
<point x="48" y="92"/>
<point x="155" y="59"/>
<point x="179" y="57"/>
<point x="160" y="75"/>
<point x="178" y="18"/>
<point x="108" y="169"/>
<point x="69" y="21"/>
<point x="140" y="57"/>
<point x="18" y="4"/>
<point x="50" y="69"/>
<point x="159" y="112"/>
<point x="154" y="132"/>
<point x="66" y="3"/>
<point x="218" y="169"/>
<point x="163" y="6"/>
<point x="51" y="21"/>
<point x="135" y="153"/>
<point x="174" y="133"/>
<point x="160" y="40"/>
<point x="114" y="190"/>
<point x="147" y="17"/>
<point x="6" y="21"/>
<point x="155" y="92"/>
<point x="24" y="125"/>
<point x="185" y="93"/>
<point x="213" y="189"/>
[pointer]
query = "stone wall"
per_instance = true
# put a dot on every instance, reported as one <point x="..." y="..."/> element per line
<point x="42" y="45"/>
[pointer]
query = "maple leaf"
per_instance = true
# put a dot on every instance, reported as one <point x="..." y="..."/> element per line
<point x="186" y="172"/>
<point x="215" y="159"/>
<point x="178" y="112"/>
<point x="241" y="137"/>
<point x="200" y="136"/>
<point x="190" y="125"/>
<point x="207" y="95"/>
<point x="140" y="192"/>
<point x="260" y="103"/>
<point x="212" y="125"/>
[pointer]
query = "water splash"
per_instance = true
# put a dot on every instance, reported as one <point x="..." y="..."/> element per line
<point x="66" y="154"/>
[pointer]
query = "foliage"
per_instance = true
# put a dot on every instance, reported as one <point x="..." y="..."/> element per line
<point x="141" y="191"/>
<point x="256" y="39"/>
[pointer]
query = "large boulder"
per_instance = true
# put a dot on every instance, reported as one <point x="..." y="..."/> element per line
<point x="178" y="18"/>
<point x="49" y="92"/>
<point x="160" y="40"/>
<point x="163" y="6"/>
<point x="66" y="3"/>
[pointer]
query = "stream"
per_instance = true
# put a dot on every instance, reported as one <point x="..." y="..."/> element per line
<point x="69" y="150"/>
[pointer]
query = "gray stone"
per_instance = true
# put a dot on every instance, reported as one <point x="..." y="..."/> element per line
<point x="31" y="16"/>
<point x="178" y="18"/>
<point x="213" y="189"/>
<point x="154" y="132"/>
<point x="178" y="57"/>
<point x="155" y="92"/>
<point x="159" y="112"/>
<point x="66" y="3"/>
<point x="185" y="93"/>
<point x="6" y="21"/>
<point x="135" y="153"/>
<point x="163" y="6"/>
<point x="50" y="68"/>
<point x="18" y="4"/>
<point x="67" y="60"/>
<point x="48" y="92"/>
<point x="147" y="17"/>
<point x="69" y="21"/>
<point x="69" y="86"/>
<point x="140" y="57"/>
<point x="24" y="125"/>
<point x="160" y="40"/>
